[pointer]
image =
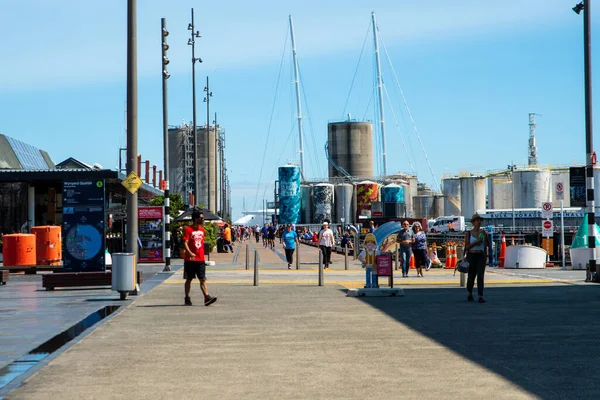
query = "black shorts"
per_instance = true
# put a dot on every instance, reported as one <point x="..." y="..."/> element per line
<point x="193" y="269"/>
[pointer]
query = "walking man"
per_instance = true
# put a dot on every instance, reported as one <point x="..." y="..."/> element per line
<point x="194" y="264"/>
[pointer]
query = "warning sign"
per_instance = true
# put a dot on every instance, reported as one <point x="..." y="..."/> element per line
<point x="547" y="210"/>
<point x="132" y="183"/>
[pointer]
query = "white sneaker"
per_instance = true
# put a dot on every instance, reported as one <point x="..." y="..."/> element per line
<point x="428" y="267"/>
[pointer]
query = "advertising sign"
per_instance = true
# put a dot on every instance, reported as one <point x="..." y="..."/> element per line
<point x="83" y="225"/>
<point x="577" y="183"/>
<point x="547" y="229"/>
<point x="384" y="265"/>
<point x="151" y="233"/>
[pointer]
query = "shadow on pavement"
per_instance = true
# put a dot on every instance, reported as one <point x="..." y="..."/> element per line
<point x="544" y="339"/>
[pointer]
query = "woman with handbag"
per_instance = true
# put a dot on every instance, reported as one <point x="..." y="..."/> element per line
<point x="475" y="242"/>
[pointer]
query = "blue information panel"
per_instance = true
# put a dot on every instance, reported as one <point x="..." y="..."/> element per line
<point x="83" y="225"/>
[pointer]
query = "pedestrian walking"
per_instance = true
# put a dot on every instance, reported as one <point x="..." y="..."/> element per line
<point x="290" y="240"/>
<point x="271" y="232"/>
<point x="405" y="238"/>
<point x="227" y="238"/>
<point x="419" y="248"/>
<point x="194" y="265"/>
<point x="475" y="246"/>
<point x="326" y="239"/>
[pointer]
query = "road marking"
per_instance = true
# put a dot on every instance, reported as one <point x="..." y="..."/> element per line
<point x="357" y="284"/>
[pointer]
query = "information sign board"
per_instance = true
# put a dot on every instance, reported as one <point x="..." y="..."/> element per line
<point x="151" y="233"/>
<point x="384" y="265"/>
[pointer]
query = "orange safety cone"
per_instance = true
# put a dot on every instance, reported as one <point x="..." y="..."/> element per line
<point x="448" y="256"/>
<point x="454" y="259"/>
<point x="412" y="261"/>
<point x="502" y="252"/>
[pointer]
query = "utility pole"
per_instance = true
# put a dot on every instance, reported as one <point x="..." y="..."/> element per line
<point x="298" y="101"/>
<point x="132" y="108"/>
<point x="165" y="75"/>
<point x="208" y="144"/>
<point x="192" y="42"/>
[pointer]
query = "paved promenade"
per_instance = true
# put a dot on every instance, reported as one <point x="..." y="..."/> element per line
<point x="289" y="338"/>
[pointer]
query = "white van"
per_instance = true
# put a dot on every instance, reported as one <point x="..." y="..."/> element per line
<point x="452" y="223"/>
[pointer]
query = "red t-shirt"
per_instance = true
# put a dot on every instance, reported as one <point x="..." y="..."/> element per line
<point x="195" y="241"/>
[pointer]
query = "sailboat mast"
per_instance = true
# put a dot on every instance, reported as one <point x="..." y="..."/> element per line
<point x="379" y="89"/>
<point x="298" y="103"/>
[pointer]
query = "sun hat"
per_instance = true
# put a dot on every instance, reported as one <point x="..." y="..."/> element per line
<point x="476" y="216"/>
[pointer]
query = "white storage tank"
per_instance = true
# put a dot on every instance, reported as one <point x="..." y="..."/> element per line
<point x="451" y="192"/>
<point x="532" y="187"/>
<point x="472" y="195"/>
<point x="344" y="203"/>
<point x="322" y="195"/>
<point x="500" y="192"/>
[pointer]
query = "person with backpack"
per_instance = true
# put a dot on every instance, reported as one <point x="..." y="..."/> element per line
<point x="475" y="250"/>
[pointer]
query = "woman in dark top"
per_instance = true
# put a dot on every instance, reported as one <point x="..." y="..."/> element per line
<point x="405" y="239"/>
<point x="475" y="243"/>
<point x="420" y="248"/>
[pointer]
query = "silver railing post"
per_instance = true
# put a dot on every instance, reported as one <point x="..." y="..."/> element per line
<point x="346" y="258"/>
<point x="247" y="258"/>
<point x="397" y="257"/>
<point x="255" y="268"/>
<point x="297" y="256"/>
<point x="320" y="268"/>
<point x="462" y="279"/>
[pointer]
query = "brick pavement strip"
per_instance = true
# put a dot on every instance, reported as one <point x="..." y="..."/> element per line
<point x="311" y="342"/>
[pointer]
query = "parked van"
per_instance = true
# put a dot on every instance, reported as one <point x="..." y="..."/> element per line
<point x="453" y="223"/>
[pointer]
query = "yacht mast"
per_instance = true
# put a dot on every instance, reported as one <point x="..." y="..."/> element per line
<point x="298" y="103"/>
<point x="379" y="89"/>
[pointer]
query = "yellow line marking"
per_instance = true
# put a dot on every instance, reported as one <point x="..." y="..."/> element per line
<point x="353" y="284"/>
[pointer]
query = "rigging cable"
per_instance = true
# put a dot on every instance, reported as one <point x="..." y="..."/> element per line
<point x="312" y="131"/>
<point x="356" y="70"/>
<point x="271" y="119"/>
<point x="412" y="167"/>
<point x="410" y="115"/>
<point x="279" y="159"/>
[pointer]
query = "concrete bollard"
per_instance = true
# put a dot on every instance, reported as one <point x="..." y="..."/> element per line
<point x="247" y="258"/>
<point x="462" y="279"/>
<point x="320" y="268"/>
<point x="297" y="256"/>
<point x="346" y="258"/>
<point x="255" y="268"/>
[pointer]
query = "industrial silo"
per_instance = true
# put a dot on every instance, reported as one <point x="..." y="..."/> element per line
<point x="351" y="148"/>
<point x="422" y="206"/>
<point x="451" y="192"/>
<point x="500" y="192"/>
<point x="437" y="209"/>
<point x="322" y="195"/>
<point x="392" y="193"/>
<point x="532" y="187"/>
<point x="472" y="195"/>
<point x="562" y="177"/>
<point x="289" y="194"/>
<point x="366" y="193"/>
<point x="344" y="199"/>
<point x="306" y="204"/>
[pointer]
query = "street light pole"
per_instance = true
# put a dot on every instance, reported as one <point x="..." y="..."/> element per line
<point x="165" y="75"/>
<point x="585" y="6"/>
<point x="208" y="143"/>
<point x="192" y="42"/>
<point x="132" y="105"/>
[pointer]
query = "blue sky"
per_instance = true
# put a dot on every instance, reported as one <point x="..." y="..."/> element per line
<point x="471" y="72"/>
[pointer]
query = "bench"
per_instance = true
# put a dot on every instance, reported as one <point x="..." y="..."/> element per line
<point x="80" y="279"/>
<point x="3" y="277"/>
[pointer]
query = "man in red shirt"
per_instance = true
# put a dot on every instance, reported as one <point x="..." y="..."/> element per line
<point x="194" y="264"/>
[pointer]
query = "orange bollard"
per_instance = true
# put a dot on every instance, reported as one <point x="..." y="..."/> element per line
<point x="502" y="252"/>
<point x="454" y="260"/>
<point x="412" y="261"/>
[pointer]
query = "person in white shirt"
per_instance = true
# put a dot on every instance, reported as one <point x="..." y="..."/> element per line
<point x="326" y="240"/>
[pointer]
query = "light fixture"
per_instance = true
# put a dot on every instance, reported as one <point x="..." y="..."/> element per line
<point x="190" y="42"/>
<point x="166" y="74"/>
<point x="165" y="32"/>
<point x="579" y="7"/>
<point x="198" y="59"/>
<point x="165" y="46"/>
<point x="190" y="27"/>
<point x="197" y="34"/>
<point x="165" y="60"/>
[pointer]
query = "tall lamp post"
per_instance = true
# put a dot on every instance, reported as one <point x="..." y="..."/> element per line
<point x="585" y="6"/>
<point x="192" y="42"/>
<point x="132" y="105"/>
<point x="208" y="143"/>
<point x="165" y="75"/>
<point x="511" y="168"/>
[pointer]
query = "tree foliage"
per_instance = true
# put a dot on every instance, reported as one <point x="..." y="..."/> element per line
<point x="175" y="203"/>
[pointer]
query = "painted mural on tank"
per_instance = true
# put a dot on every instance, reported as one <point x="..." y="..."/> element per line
<point x="323" y="202"/>
<point x="366" y="193"/>
<point x="392" y="194"/>
<point x="289" y="194"/>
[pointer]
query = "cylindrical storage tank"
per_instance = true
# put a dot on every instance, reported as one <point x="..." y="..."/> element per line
<point x="18" y="250"/>
<point x="350" y="147"/>
<point x="392" y="193"/>
<point x="305" y="204"/>
<point x="322" y="195"/>
<point x="424" y="190"/>
<point x="451" y="192"/>
<point x="366" y="193"/>
<point x="422" y="206"/>
<point x="344" y="196"/>
<point x="437" y="209"/>
<point x="289" y="194"/>
<point x="48" y="244"/>
<point x="500" y="192"/>
<point x="472" y="195"/>
<point x="532" y="187"/>
<point x="563" y="178"/>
